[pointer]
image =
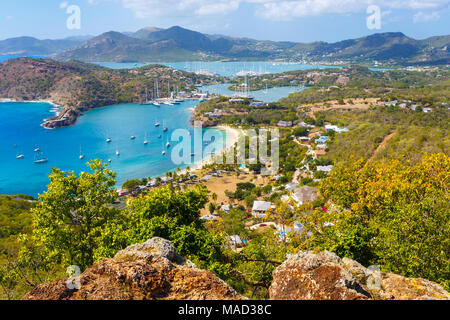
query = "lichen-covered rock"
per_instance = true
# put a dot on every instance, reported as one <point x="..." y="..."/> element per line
<point x="151" y="270"/>
<point x="325" y="276"/>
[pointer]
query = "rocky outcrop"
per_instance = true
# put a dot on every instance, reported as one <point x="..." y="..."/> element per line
<point x="151" y="270"/>
<point x="65" y="117"/>
<point x="325" y="276"/>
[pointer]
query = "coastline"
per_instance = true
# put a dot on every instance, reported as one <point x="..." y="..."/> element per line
<point x="231" y="137"/>
<point x="46" y="120"/>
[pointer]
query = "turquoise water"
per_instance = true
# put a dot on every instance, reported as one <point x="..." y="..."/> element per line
<point x="226" y="69"/>
<point x="269" y="95"/>
<point x="20" y="133"/>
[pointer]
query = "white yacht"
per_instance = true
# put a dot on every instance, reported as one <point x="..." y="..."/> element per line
<point x="40" y="159"/>
<point x="146" y="141"/>
<point x="20" y="156"/>
<point x="108" y="140"/>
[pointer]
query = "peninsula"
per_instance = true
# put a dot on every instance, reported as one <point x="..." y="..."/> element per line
<point x="78" y="87"/>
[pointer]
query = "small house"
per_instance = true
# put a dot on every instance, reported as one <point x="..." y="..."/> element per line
<point x="291" y="186"/>
<point x="284" y="124"/>
<point x="322" y="139"/>
<point x="209" y="217"/>
<point x="235" y="241"/>
<point x="260" y="208"/>
<point x="305" y="194"/>
<point x="325" y="168"/>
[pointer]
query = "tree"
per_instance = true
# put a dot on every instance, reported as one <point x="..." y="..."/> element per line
<point x="212" y="207"/>
<point x="300" y="132"/>
<point x="390" y="213"/>
<point x="131" y="184"/>
<point x="71" y="214"/>
<point x="175" y="216"/>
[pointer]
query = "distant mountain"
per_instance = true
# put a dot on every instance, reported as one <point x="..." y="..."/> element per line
<point x="31" y="46"/>
<point x="180" y="44"/>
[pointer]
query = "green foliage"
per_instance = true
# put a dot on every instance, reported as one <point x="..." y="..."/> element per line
<point x="131" y="184"/>
<point x="164" y="212"/>
<point x="300" y="132"/>
<point x="71" y="214"/>
<point x="392" y="213"/>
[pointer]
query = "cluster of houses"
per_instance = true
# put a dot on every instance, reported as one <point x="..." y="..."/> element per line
<point x="288" y="124"/>
<point x="217" y="113"/>
<point x="405" y="104"/>
<point x="188" y="179"/>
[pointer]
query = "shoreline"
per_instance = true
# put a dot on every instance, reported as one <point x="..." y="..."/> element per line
<point x="231" y="138"/>
<point x="46" y="120"/>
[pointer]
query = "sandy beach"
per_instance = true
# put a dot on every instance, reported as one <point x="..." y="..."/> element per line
<point x="232" y="136"/>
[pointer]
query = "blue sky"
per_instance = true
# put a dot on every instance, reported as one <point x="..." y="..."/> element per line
<point x="293" y="20"/>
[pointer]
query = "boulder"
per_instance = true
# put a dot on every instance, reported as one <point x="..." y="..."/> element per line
<point x="150" y="270"/>
<point x="325" y="276"/>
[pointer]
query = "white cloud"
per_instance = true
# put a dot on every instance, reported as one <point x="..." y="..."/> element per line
<point x="277" y="9"/>
<point x="63" y="5"/>
<point x="425" y="17"/>
<point x="290" y="9"/>
<point x="151" y="8"/>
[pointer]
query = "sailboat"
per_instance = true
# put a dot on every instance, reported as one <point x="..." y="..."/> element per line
<point x="108" y="140"/>
<point x="163" y="151"/>
<point x="117" y="152"/>
<point x="133" y="137"/>
<point x="81" y="155"/>
<point x="40" y="159"/>
<point x="145" y="141"/>
<point x="146" y="98"/>
<point x="157" y="124"/>
<point x="37" y="149"/>
<point x="165" y="128"/>
<point x="168" y="143"/>
<point x="155" y="101"/>
<point x="20" y="156"/>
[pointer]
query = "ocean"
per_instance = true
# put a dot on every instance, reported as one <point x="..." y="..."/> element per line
<point x="269" y="95"/>
<point x="21" y="133"/>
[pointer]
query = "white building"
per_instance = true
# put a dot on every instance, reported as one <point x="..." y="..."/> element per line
<point x="260" y="208"/>
<point x="235" y="241"/>
<point x="325" y="168"/>
<point x="209" y="217"/>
